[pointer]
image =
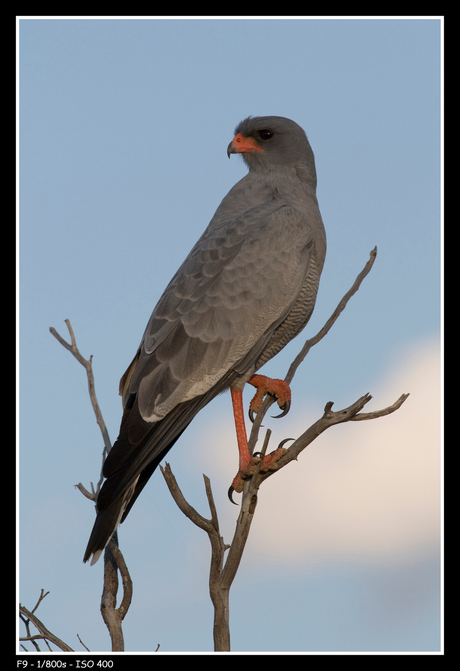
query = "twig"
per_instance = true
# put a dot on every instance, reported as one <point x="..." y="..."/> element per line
<point x="40" y="599"/>
<point x="183" y="504"/>
<point x="269" y="400"/>
<point x="380" y="413"/>
<point x="87" y="365"/>
<point x="85" y="646"/>
<point x="89" y="495"/>
<point x="44" y="634"/>
<point x="330" y="418"/>
<point x="332" y="319"/>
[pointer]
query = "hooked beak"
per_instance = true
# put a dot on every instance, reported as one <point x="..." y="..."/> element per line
<point x="241" y="145"/>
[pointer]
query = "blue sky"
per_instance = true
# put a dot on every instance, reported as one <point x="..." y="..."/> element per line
<point x="123" y="129"/>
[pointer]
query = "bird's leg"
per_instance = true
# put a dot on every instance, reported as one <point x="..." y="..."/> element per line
<point x="248" y="463"/>
<point x="266" y="385"/>
<point x="243" y="448"/>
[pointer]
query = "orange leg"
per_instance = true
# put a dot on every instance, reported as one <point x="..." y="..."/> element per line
<point x="241" y="437"/>
<point x="248" y="463"/>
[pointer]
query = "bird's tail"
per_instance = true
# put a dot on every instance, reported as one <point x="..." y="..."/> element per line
<point x="133" y="458"/>
<point x="105" y="526"/>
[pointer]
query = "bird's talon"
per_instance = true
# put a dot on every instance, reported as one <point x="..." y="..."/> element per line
<point x="230" y="495"/>
<point x="285" y="408"/>
<point x="284" y="441"/>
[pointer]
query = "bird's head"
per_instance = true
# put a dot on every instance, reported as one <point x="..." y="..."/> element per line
<point x="272" y="142"/>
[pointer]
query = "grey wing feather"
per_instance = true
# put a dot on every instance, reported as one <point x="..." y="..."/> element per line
<point x="235" y="287"/>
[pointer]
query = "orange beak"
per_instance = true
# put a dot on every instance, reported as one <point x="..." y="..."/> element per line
<point x="241" y="145"/>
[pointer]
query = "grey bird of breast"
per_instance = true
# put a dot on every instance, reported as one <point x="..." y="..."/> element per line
<point x="247" y="288"/>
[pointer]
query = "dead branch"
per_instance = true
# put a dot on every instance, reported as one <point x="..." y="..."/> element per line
<point x="269" y="400"/>
<point x="223" y="573"/>
<point x="113" y="616"/>
<point x="113" y="558"/>
<point x="332" y="319"/>
<point x="88" y="366"/>
<point x="43" y="633"/>
<point x="380" y="413"/>
<point x="219" y="597"/>
<point x="330" y="418"/>
<point x="85" y="646"/>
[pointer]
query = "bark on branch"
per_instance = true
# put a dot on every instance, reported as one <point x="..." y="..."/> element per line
<point x="113" y="616"/>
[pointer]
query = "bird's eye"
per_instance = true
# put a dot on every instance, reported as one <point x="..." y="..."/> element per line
<point x="266" y="134"/>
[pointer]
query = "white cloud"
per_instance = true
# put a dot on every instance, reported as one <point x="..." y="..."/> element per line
<point x="364" y="490"/>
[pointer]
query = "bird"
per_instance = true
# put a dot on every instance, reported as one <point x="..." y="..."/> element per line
<point x="245" y="290"/>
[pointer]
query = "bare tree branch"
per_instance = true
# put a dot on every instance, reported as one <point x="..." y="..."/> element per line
<point x="269" y="400"/>
<point x="113" y="616"/>
<point x="89" y="495"/>
<point x="223" y="573"/>
<point x="381" y="413"/>
<point x="332" y="319"/>
<point x="40" y="599"/>
<point x="44" y="634"/>
<point x="183" y="505"/>
<point x="330" y="418"/>
<point x="86" y="647"/>
<point x="87" y="365"/>
<point x="352" y="413"/>
<point x="113" y="558"/>
<point x="218" y="596"/>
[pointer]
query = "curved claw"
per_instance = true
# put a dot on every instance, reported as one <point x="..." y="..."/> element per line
<point x="286" y="440"/>
<point x="286" y="408"/>
<point x="252" y="415"/>
<point x="230" y="493"/>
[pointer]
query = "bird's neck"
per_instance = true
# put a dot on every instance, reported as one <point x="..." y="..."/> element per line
<point x="285" y="183"/>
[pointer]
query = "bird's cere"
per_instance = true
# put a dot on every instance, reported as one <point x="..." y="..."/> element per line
<point x="242" y="145"/>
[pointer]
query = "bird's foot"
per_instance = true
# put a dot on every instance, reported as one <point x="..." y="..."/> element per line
<point x="269" y="463"/>
<point x="267" y="385"/>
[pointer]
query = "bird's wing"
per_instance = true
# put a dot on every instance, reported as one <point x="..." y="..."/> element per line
<point x="237" y="284"/>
